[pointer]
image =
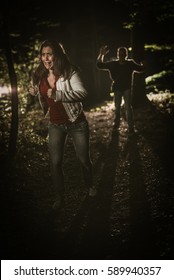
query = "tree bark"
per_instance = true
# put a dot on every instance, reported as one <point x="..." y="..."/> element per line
<point x="139" y="98"/>
<point x="14" y="91"/>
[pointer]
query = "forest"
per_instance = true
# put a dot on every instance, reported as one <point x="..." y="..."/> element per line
<point x="133" y="215"/>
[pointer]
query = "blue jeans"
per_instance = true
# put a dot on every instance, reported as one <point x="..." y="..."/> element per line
<point x="126" y="94"/>
<point x="57" y="139"/>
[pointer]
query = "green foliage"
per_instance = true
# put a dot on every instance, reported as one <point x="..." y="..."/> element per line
<point x="155" y="13"/>
<point x="157" y="76"/>
<point x="4" y="77"/>
<point x="25" y="61"/>
<point x="159" y="81"/>
<point x="155" y="47"/>
<point x="163" y="100"/>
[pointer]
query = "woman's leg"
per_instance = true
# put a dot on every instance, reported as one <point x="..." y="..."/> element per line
<point x="80" y="137"/>
<point x="57" y="138"/>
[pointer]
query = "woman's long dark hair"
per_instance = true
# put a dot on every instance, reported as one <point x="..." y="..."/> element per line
<point x="62" y="65"/>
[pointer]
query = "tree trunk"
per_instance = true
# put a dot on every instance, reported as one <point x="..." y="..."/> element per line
<point x="139" y="98"/>
<point x="14" y="91"/>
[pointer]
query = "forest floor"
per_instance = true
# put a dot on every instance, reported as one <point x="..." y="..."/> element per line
<point x="133" y="214"/>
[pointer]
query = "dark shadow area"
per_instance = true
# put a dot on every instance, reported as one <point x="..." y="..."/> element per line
<point x="142" y="235"/>
<point x="90" y="229"/>
<point x="132" y="216"/>
<point x="156" y="128"/>
<point x="153" y="123"/>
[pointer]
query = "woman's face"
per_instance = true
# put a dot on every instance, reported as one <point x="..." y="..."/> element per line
<point x="47" y="57"/>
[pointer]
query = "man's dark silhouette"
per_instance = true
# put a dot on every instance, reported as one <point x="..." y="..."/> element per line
<point x="121" y="72"/>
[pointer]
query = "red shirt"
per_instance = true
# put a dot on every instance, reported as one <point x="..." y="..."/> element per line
<point x="58" y="114"/>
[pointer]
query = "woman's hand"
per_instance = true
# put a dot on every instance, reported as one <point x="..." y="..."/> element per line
<point x="33" y="90"/>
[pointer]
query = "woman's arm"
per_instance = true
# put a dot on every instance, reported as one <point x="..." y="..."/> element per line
<point x="71" y="90"/>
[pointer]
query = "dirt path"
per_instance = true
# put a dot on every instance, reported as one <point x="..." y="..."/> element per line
<point x="132" y="217"/>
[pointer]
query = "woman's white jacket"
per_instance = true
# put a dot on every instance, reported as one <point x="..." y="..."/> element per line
<point x="71" y="93"/>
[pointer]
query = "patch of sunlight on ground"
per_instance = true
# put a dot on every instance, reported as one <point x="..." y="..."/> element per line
<point x="161" y="96"/>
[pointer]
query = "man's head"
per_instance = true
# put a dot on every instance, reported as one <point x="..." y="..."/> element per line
<point x="122" y="53"/>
